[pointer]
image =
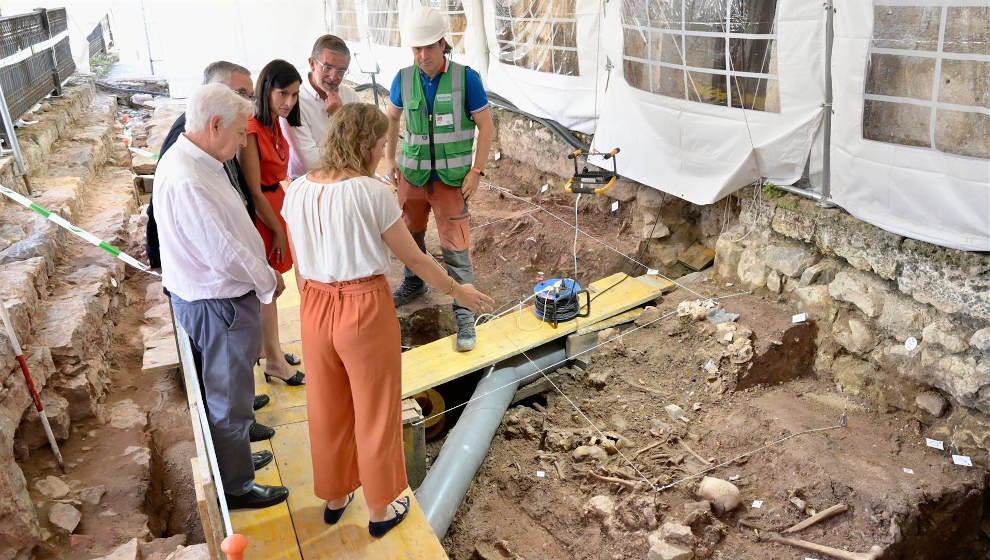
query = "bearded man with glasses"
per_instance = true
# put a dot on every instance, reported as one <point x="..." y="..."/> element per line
<point x="321" y="94"/>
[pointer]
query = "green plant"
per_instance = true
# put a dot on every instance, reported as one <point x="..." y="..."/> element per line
<point x="770" y="190"/>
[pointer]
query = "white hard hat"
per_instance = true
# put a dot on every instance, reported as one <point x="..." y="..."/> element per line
<point x="423" y="27"/>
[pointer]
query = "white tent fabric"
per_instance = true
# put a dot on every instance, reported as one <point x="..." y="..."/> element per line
<point x="568" y="98"/>
<point x="701" y="152"/>
<point x="472" y="49"/>
<point x="937" y="191"/>
<point x="918" y="192"/>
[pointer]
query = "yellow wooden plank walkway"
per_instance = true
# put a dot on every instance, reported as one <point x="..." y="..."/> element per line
<point x="438" y="362"/>
<point x="295" y="530"/>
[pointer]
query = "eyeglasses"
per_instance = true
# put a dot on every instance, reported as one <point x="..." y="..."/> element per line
<point x="330" y="68"/>
<point x="243" y="93"/>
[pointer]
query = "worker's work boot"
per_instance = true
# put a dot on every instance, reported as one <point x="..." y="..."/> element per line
<point x="459" y="267"/>
<point x="465" y="335"/>
<point x="412" y="286"/>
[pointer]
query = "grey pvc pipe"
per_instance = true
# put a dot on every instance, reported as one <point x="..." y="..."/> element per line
<point x="448" y="480"/>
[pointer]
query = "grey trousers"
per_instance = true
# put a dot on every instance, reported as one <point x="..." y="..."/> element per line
<point x="458" y="267"/>
<point x="228" y="334"/>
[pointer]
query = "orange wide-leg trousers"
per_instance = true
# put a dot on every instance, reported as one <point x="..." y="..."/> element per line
<point x="351" y="347"/>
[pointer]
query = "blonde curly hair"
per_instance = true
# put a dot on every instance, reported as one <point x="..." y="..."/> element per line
<point x="353" y="132"/>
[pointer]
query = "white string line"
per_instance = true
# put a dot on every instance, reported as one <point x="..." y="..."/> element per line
<point x="561" y="362"/>
<point x="526" y="213"/>
<point x="841" y="424"/>
<point x="509" y="193"/>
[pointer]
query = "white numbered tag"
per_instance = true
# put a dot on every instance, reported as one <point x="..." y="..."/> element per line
<point x="445" y="120"/>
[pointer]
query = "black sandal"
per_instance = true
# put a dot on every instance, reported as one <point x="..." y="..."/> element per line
<point x="331" y="516"/>
<point x="293" y="381"/>
<point x="292" y="359"/>
<point x="379" y="528"/>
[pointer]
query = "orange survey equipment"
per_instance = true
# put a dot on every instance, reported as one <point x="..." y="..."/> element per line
<point x="586" y="181"/>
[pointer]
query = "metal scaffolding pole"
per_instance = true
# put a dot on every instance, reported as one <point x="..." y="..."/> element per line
<point x="826" y="199"/>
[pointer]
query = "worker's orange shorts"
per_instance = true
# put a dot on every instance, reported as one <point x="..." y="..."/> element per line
<point x="450" y="211"/>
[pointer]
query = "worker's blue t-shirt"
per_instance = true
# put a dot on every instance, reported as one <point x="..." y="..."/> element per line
<point x="476" y="97"/>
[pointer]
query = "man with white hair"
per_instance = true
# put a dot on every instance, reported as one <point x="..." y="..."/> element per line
<point x="214" y="268"/>
<point x="238" y="79"/>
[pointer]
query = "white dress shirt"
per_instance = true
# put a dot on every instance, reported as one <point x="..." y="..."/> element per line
<point x="209" y="247"/>
<point x="306" y="140"/>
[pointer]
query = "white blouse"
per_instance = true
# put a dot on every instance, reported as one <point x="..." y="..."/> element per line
<point x="336" y="228"/>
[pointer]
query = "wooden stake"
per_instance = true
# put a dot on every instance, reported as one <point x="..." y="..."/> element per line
<point x="820" y="516"/>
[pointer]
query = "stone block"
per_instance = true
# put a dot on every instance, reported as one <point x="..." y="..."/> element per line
<point x="649" y="197"/>
<point x="73" y="321"/>
<point x="14" y="395"/>
<point x="981" y="339"/>
<point x="19" y="528"/>
<point x="752" y="271"/>
<point x="83" y="388"/>
<point x="967" y="380"/>
<point x="951" y="281"/>
<point x="775" y="282"/>
<point x="932" y="403"/>
<point x="853" y="334"/>
<point x="623" y="190"/>
<point x="854" y="376"/>
<point x="902" y="316"/>
<point x="820" y="273"/>
<point x="663" y="550"/>
<point x="946" y="334"/>
<point x="860" y="289"/>
<point x="22" y="283"/>
<point x="790" y="259"/>
<point x="816" y="302"/>
<point x="677" y="533"/>
<point x="31" y="434"/>
<point x="727" y="253"/>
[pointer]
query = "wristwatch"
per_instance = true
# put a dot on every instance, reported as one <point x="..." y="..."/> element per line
<point x="478" y="171"/>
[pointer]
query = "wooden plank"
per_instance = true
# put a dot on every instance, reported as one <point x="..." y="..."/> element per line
<point x="437" y="362"/>
<point x="348" y="539"/>
<point x="269" y="530"/>
<point x="209" y="510"/>
<point x="414" y="442"/>
<point x="697" y="257"/>
<point x="275" y="417"/>
<point x="621" y="318"/>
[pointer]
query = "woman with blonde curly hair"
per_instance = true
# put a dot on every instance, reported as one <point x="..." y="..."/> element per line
<point x="342" y="223"/>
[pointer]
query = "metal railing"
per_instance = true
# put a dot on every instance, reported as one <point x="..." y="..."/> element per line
<point x="35" y="59"/>
<point x="101" y="38"/>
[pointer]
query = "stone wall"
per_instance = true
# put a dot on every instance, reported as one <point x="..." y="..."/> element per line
<point x="871" y="292"/>
<point x="526" y="155"/>
<point x="868" y="290"/>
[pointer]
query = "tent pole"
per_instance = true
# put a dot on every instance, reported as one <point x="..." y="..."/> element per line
<point x="826" y="199"/>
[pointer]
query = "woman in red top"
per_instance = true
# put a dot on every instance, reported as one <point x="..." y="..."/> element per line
<point x="265" y="162"/>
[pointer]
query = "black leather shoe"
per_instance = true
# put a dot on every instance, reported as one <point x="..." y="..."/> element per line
<point x="261" y="458"/>
<point x="260" y="432"/>
<point x="260" y="401"/>
<point x="259" y="496"/>
<point x="379" y="528"/>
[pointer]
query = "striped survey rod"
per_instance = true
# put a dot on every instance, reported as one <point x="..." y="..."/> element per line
<point x="30" y="383"/>
<point x="81" y="233"/>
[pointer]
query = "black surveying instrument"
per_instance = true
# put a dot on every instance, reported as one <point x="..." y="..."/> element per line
<point x="588" y="181"/>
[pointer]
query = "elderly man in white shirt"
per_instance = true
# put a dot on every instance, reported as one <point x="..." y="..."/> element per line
<point x="214" y="267"/>
<point x="321" y="94"/>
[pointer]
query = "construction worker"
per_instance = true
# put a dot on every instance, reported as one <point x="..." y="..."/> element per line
<point x="444" y="102"/>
